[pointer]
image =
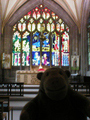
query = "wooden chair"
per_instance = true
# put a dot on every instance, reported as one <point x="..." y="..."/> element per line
<point x="6" y="107"/>
<point x="2" y="115"/>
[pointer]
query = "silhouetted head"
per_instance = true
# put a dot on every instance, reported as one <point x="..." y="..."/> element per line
<point x="54" y="82"/>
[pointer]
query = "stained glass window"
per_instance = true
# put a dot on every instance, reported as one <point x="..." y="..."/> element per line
<point x="65" y="49"/>
<point x="36" y="49"/>
<point x="55" y="49"/>
<point x="16" y="49"/>
<point x="46" y="50"/>
<point x="26" y="49"/>
<point x="30" y="50"/>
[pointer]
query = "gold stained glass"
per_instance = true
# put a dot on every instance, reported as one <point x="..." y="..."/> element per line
<point x="60" y="21"/>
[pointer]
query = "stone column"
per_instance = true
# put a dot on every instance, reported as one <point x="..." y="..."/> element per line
<point x="84" y="40"/>
<point x="1" y="46"/>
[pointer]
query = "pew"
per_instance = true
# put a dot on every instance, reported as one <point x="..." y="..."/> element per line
<point x="11" y="89"/>
<point x="2" y="115"/>
<point x="87" y="79"/>
<point x="6" y="107"/>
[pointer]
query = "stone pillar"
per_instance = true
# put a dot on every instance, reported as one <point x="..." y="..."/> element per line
<point x="1" y="46"/>
<point x="7" y="46"/>
<point x="84" y="40"/>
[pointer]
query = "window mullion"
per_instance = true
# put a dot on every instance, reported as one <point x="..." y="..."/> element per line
<point x="21" y="54"/>
<point x="50" y="46"/>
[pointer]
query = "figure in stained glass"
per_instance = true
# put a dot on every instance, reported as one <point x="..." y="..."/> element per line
<point x="55" y="49"/>
<point x="65" y="49"/>
<point x="36" y="58"/>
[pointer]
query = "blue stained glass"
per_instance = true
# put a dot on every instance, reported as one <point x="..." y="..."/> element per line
<point x="55" y="59"/>
<point x="46" y="43"/>
<point x="65" y="59"/>
<point x="36" y="42"/>
<point x="46" y="50"/>
<point x="35" y="58"/>
<point x="36" y="49"/>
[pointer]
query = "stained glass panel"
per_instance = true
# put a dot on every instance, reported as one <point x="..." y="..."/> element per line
<point x="52" y="27"/>
<point x="16" y="49"/>
<point x="46" y="50"/>
<point x="57" y="17"/>
<point x="53" y="15"/>
<point x="38" y="15"/>
<point x="55" y="49"/>
<point x="41" y="5"/>
<point x="48" y="27"/>
<point x="65" y="49"/>
<point x="36" y="49"/>
<point x="34" y="15"/>
<point x="62" y="27"/>
<point x="28" y="15"/>
<point x="67" y="28"/>
<point x="19" y="26"/>
<point x="58" y="27"/>
<point x="45" y="13"/>
<point x="40" y="27"/>
<point x="22" y="26"/>
<point x="60" y="21"/>
<point x="33" y="27"/>
<point x="29" y="26"/>
<point x="26" y="49"/>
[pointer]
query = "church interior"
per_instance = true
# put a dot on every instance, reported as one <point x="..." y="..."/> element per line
<point x="36" y="35"/>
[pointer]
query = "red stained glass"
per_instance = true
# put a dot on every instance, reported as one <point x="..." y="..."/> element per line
<point x="29" y="13"/>
<point x="57" y="17"/>
<point x="46" y="9"/>
<point x="34" y="15"/>
<point x="62" y="27"/>
<point x="41" y="6"/>
<point x="53" y="15"/>
<point x="36" y="9"/>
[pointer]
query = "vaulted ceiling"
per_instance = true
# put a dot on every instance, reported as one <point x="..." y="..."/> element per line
<point x="72" y="7"/>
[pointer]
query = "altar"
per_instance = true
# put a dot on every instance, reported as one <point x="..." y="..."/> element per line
<point x="28" y="77"/>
